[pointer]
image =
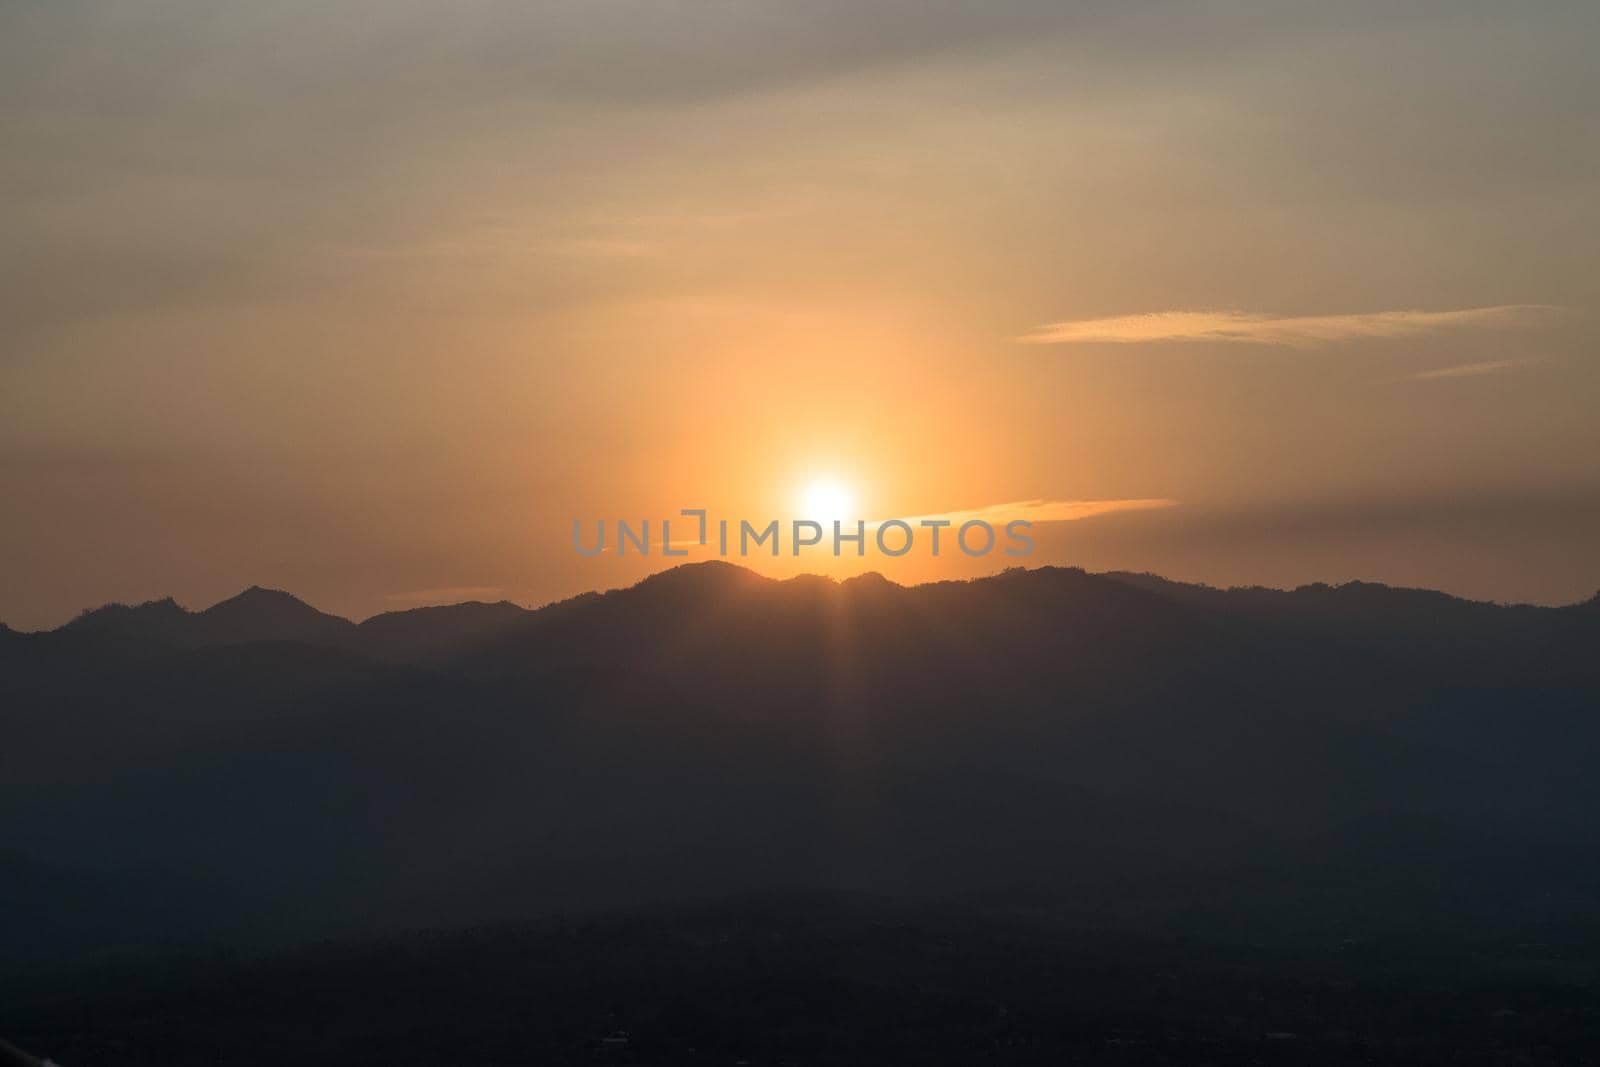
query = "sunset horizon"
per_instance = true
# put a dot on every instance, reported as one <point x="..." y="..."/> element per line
<point x="797" y="572"/>
<point x="799" y="534"/>
<point x="370" y="300"/>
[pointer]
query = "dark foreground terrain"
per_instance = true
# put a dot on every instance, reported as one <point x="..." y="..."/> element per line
<point x="828" y="979"/>
<point x="1125" y="818"/>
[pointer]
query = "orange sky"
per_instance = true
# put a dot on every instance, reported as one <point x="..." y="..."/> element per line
<point x="371" y="301"/>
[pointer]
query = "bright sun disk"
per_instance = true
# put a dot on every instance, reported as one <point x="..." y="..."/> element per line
<point x="826" y="499"/>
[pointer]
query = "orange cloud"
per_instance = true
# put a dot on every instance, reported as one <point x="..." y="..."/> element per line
<point x="1037" y="511"/>
<point x="1301" y="331"/>
<point x="1473" y="370"/>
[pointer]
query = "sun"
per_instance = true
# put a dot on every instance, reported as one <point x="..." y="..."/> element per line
<point x="827" y="499"/>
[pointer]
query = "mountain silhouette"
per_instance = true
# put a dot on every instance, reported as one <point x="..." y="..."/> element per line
<point x="431" y="632"/>
<point x="162" y="620"/>
<point x="256" y="614"/>
<point x="268" y="615"/>
<point x="1122" y="746"/>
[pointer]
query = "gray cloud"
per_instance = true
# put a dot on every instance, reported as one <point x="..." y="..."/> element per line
<point x="184" y="152"/>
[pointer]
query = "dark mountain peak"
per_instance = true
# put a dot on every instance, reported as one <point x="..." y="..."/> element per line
<point x="157" y="618"/>
<point x="811" y="582"/>
<point x="1378" y="594"/>
<point x="1055" y="583"/>
<point x="259" y="614"/>
<point x="148" y="609"/>
<point x="436" y="629"/>
<point x="257" y="597"/>
<point x="1041" y="578"/>
<point x="871" y="581"/>
<point x="1351" y="590"/>
<point x="256" y="614"/>
<point x="464" y="609"/>
<point x="711" y="576"/>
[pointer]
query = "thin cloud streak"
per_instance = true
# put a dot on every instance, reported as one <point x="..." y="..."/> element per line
<point x="1303" y="331"/>
<point x="1473" y="370"/>
<point x="1036" y="511"/>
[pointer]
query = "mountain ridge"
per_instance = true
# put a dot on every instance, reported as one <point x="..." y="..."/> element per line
<point x="710" y="730"/>
<point x="732" y="576"/>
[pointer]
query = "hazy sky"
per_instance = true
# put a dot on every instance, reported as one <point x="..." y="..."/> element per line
<point x="370" y="300"/>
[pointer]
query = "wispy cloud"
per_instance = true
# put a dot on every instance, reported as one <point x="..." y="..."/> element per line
<point x="1474" y="370"/>
<point x="1038" y="511"/>
<point x="1302" y="331"/>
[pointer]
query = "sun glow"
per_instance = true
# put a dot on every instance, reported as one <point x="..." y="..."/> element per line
<point x="827" y="499"/>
